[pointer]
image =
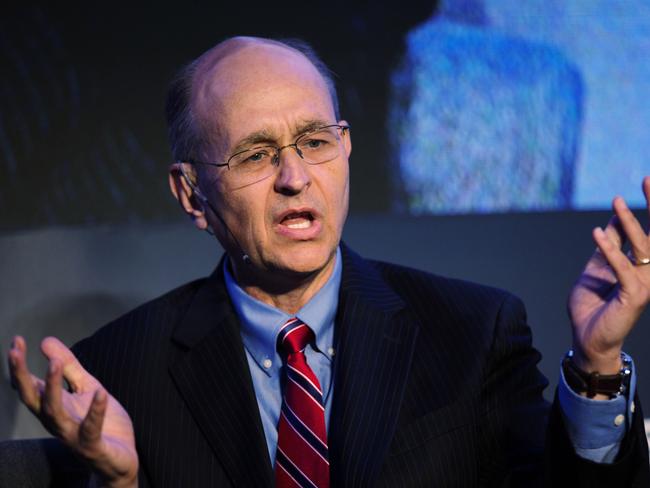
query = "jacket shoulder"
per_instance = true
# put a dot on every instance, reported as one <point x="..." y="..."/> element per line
<point x="141" y="331"/>
<point x="457" y="295"/>
<point x="467" y="318"/>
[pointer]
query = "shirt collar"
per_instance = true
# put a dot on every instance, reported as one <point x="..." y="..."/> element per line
<point x="260" y="323"/>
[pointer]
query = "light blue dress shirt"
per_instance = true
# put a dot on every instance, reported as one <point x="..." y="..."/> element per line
<point x="260" y="324"/>
<point x="595" y="427"/>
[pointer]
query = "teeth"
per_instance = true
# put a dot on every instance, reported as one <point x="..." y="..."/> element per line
<point x="304" y="224"/>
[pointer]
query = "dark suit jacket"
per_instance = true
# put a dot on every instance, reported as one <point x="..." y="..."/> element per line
<point x="435" y="384"/>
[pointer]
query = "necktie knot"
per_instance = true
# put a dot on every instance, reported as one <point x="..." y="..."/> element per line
<point x="294" y="336"/>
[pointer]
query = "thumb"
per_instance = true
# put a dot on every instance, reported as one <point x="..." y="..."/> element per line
<point x="73" y="372"/>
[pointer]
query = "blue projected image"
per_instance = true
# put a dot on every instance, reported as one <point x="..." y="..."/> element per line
<point x="500" y="105"/>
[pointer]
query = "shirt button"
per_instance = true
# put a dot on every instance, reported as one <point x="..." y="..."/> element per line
<point x="267" y="363"/>
<point x="330" y="351"/>
<point x="619" y="420"/>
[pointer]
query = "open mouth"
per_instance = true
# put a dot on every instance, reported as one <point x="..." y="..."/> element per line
<point x="298" y="220"/>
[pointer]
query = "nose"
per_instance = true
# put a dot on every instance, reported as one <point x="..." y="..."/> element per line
<point x="293" y="173"/>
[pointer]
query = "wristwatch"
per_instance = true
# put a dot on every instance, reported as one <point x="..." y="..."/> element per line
<point x="593" y="383"/>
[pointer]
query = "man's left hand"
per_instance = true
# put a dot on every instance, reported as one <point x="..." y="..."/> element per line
<point x="612" y="291"/>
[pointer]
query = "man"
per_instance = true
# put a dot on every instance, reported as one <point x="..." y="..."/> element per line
<point x="399" y="378"/>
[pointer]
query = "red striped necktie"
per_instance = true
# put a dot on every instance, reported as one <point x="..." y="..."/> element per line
<point x="301" y="459"/>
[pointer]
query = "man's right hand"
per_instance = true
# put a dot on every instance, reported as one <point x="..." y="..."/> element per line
<point x="88" y="420"/>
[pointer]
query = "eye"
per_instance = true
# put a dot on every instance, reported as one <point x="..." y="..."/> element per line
<point x="256" y="157"/>
<point x="313" y="143"/>
<point x="252" y="157"/>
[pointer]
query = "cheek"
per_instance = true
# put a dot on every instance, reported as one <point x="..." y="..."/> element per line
<point x="337" y="189"/>
<point x="252" y="211"/>
<point x="344" y="183"/>
<point x="344" y="203"/>
<point x="236" y="212"/>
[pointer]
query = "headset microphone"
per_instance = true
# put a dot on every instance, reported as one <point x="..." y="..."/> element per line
<point x="244" y="257"/>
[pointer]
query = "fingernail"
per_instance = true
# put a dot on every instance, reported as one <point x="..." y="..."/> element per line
<point x="100" y="395"/>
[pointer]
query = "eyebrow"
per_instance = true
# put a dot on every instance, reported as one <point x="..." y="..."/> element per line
<point x="254" y="138"/>
<point x="265" y="136"/>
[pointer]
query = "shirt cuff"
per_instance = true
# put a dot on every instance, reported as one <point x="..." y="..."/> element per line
<point x="596" y="427"/>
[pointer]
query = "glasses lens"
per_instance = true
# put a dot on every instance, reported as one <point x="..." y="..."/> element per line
<point x="320" y="146"/>
<point x="252" y="160"/>
<point x="252" y="164"/>
<point x="255" y="164"/>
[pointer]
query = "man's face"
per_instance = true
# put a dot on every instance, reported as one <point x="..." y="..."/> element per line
<point x="291" y="221"/>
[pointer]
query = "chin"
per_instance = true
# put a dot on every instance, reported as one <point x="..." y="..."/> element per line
<point x="308" y="259"/>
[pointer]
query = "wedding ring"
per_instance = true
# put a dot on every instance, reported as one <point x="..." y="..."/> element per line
<point x="637" y="261"/>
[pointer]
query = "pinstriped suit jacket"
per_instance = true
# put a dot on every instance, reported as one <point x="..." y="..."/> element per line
<point x="435" y="385"/>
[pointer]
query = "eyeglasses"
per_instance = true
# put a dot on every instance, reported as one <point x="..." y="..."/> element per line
<point x="249" y="166"/>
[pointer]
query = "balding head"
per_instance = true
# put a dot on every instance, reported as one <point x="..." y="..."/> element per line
<point x="193" y="106"/>
<point x="246" y="99"/>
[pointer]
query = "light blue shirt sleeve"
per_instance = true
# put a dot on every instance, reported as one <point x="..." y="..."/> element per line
<point x="596" y="427"/>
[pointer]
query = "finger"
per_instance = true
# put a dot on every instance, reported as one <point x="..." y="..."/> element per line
<point x="52" y="412"/>
<point x="90" y="429"/>
<point x="79" y="379"/>
<point x="615" y="232"/>
<point x="619" y="262"/>
<point x="598" y="261"/>
<point x="632" y="228"/>
<point x="645" y="186"/>
<point x="21" y="378"/>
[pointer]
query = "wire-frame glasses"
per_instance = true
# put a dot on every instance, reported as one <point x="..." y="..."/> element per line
<point x="254" y="164"/>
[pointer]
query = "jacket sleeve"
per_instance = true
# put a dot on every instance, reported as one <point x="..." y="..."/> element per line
<point x="531" y="434"/>
<point x="565" y="468"/>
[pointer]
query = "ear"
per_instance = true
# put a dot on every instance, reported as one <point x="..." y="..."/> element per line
<point x="186" y="192"/>
<point x="347" y="141"/>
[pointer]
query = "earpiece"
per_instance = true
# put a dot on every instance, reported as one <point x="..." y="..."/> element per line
<point x="244" y="257"/>
<point x="194" y="188"/>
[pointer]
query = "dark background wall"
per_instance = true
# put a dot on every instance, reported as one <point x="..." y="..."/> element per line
<point x="82" y="135"/>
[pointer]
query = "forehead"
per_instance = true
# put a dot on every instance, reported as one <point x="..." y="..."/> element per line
<point x="258" y="87"/>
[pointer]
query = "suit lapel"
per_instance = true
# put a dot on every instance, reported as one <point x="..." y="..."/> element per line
<point x="375" y="339"/>
<point x="212" y="375"/>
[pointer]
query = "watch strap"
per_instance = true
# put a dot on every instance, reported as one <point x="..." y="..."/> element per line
<point x="594" y="383"/>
